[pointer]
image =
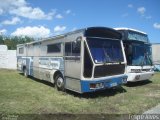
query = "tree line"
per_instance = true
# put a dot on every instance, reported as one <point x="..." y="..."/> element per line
<point x="12" y="42"/>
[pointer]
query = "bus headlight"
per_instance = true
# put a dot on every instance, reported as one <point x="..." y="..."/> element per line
<point x="124" y="80"/>
<point x="96" y="85"/>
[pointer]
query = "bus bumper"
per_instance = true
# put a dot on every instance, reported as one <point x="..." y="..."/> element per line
<point x="134" y="77"/>
<point x="101" y="84"/>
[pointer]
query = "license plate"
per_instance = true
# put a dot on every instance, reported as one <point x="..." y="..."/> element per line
<point x="113" y="84"/>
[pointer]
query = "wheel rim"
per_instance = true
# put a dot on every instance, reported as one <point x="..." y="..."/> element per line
<point x="59" y="82"/>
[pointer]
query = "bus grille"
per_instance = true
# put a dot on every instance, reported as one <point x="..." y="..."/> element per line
<point x="109" y="70"/>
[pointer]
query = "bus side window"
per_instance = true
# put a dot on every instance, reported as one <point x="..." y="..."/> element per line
<point x="21" y="50"/>
<point x="68" y="49"/>
<point x="76" y="45"/>
<point x="72" y="48"/>
<point x="54" y="48"/>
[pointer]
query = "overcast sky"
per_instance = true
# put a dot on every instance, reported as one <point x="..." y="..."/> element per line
<point x="44" y="18"/>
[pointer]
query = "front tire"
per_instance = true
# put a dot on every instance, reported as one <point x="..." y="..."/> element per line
<point x="60" y="83"/>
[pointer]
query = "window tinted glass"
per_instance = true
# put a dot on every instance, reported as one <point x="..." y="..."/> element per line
<point x="21" y="50"/>
<point x="68" y="49"/>
<point x="72" y="48"/>
<point x="137" y="36"/>
<point x="105" y="50"/>
<point x="54" y="48"/>
<point x="76" y="48"/>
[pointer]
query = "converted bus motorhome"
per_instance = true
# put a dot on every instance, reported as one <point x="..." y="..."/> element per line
<point x="138" y="54"/>
<point x="84" y="60"/>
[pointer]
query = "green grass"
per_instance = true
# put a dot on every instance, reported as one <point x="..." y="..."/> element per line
<point x="20" y="95"/>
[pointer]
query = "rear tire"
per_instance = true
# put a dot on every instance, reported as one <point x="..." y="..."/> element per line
<point x="59" y="82"/>
<point x="25" y="72"/>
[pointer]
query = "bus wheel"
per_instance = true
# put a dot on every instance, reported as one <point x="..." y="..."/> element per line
<point x="25" y="72"/>
<point x="60" y="83"/>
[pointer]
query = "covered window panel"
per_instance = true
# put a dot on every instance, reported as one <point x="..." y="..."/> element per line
<point x="76" y="48"/>
<point x="54" y="48"/>
<point x="73" y="48"/>
<point x="68" y="49"/>
<point x="21" y="50"/>
<point x="105" y="50"/>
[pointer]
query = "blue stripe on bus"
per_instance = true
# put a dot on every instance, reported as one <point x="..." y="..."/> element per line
<point x="29" y="63"/>
<point x="85" y="84"/>
<point x="31" y="67"/>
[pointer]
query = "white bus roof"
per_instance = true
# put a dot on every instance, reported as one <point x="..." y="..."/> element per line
<point x="60" y="36"/>
<point x="52" y="37"/>
<point x="123" y="28"/>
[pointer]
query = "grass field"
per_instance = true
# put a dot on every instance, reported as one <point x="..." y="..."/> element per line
<point x="20" y="95"/>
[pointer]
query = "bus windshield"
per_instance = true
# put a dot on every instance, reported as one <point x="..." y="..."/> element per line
<point x="137" y="36"/>
<point x="141" y="55"/>
<point x="105" y="50"/>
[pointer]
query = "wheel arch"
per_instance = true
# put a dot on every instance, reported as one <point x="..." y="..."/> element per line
<point x="54" y="73"/>
<point x="23" y="68"/>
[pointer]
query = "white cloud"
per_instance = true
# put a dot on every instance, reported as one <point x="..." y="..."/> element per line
<point x="11" y="4"/>
<point x="141" y="10"/>
<point x="1" y="11"/>
<point x="3" y="31"/>
<point x="68" y="11"/>
<point x="130" y="5"/>
<point x="35" y="32"/>
<point x="156" y="25"/>
<point x="58" y="29"/>
<point x="22" y="8"/>
<point x="14" y="21"/>
<point x="59" y="16"/>
<point x="32" y="13"/>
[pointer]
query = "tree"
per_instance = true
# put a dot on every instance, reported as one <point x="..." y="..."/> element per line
<point x="1" y="40"/>
<point x="12" y="42"/>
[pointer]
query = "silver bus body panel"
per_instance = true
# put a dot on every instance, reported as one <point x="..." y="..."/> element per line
<point x="43" y="65"/>
<point x="42" y="61"/>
